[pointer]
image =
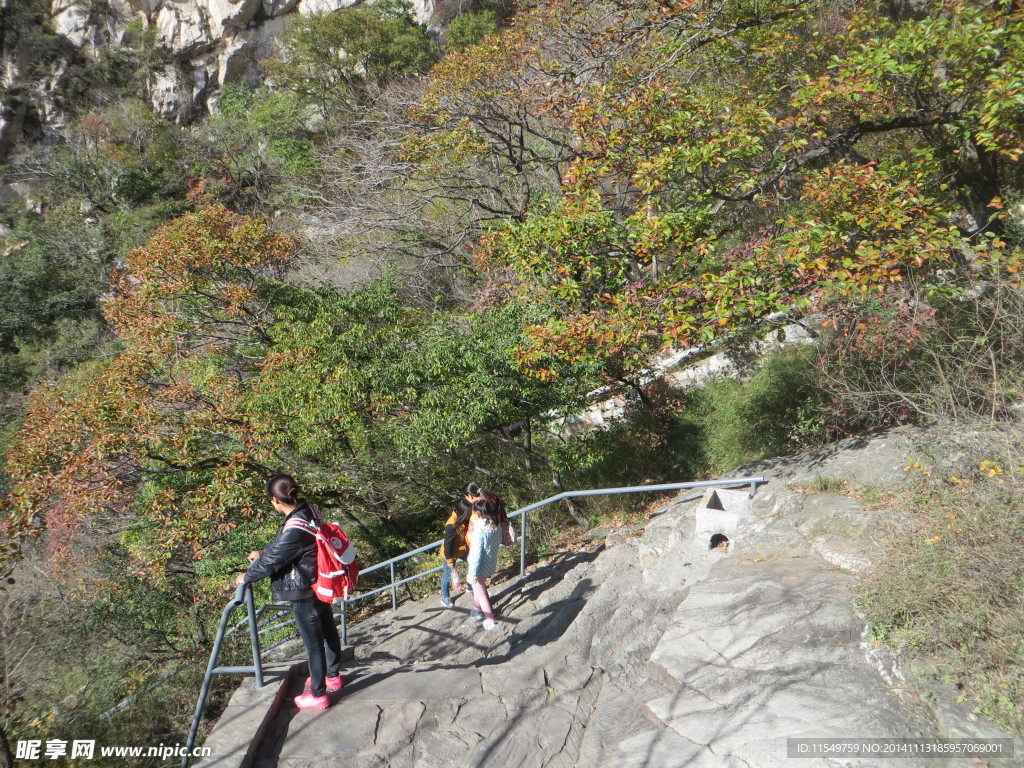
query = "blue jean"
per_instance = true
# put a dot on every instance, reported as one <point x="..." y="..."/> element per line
<point x="320" y="637"/>
<point x="446" y="578"/>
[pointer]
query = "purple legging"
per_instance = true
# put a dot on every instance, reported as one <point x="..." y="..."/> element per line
<point x="481" y="601"/>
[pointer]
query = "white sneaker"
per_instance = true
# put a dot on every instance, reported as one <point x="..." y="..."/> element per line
<point x="489" y="624"/>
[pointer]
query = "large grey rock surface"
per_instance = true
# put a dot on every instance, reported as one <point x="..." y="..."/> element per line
<point x="650" y="650"/>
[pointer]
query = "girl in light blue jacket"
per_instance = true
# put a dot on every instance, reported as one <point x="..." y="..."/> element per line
<point x="484" y="537"/>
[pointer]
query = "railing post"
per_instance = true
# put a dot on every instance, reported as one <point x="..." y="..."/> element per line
<point x="522" y="546"/>
<point x="239" y="599"/>
<point x="257" y="662"/>
<point x="344" y="621"/>
<point x="394" y="590"/>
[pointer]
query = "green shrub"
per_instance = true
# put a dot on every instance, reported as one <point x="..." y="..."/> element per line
<point x="248" y="150"/>
<point x="327" y="59"/>
<point x="263" y="120"/>
<point x="51" y="274"/>
<point x="776" y="411"/>
<point x="681" y="434"/>
<point x="13" y="372"/>
<point x="470" y="28"/>
<point x="826" y="485"/>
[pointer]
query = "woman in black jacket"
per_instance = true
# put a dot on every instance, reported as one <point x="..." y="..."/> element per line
<point x="290" y="563"/>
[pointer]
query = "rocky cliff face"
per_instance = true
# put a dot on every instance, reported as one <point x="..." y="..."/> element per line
<point x="205" y="44"/>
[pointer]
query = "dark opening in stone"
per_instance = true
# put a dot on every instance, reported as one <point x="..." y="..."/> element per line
<point x="719" y="540"/>
<point x="714" y="502"/>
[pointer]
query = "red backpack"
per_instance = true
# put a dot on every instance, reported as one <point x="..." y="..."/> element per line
<point x="336" y="568"/>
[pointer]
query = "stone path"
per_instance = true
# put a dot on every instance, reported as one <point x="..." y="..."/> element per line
<point x="652" y="651"/>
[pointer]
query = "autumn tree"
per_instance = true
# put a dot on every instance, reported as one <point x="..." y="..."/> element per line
<point x="721" y="163"/>
<point x="160" y="419"/>
<point x="229" y="373"/>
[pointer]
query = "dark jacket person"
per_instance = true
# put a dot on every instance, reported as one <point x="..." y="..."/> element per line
<point x="289" y="561"/>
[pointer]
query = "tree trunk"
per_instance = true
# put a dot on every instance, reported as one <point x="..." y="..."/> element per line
<point x="979" y="178"/>
<point x="201" y="636"/>
<point x="574" y="509"/>
<point x="634" y="385"/>
<point x="908" y="10"/>
<point x="527" y="456"/>
<point x="556" y="477"/>
<point x="383" y="513"/>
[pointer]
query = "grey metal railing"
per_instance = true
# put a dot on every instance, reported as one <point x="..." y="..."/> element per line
<point x="243" y="594"/>
<point x="753" y="482"/>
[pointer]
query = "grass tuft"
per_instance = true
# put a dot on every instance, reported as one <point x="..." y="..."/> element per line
<point x="951" y="588"/>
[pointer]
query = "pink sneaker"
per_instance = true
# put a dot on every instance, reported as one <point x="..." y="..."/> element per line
<point x="309" y="701"/>
<point x="332" y="683"/>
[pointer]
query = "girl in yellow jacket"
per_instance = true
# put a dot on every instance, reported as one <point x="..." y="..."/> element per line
<point x="454" y="547"/>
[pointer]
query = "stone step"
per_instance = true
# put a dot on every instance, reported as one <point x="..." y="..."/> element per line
<point x="407" y="715"/>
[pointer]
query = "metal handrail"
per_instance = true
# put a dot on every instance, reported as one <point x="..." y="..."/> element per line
<point x="243" y="594"/>
<point x="753" y="482"/>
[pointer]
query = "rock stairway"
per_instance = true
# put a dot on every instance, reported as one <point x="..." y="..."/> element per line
<point x="653" y="651"/>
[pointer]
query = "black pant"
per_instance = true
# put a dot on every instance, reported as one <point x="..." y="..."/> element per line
<point x="320" y="637"/>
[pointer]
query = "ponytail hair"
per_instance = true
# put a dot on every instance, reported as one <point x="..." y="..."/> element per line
<point x="495" y="504"/>
<point x="283" y="488"/>
<point x="472" y="490"/>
